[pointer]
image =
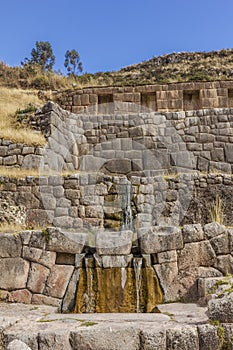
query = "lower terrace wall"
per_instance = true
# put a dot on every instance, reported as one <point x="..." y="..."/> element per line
<point x="100" y="201"/>
<point x="45" y="265"/>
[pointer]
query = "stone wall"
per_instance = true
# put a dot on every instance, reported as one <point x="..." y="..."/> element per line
<point x="139" y="143"/>
<point x="131" y="144"/>
<point x="45" y="264"/>
<point x="162" y="98"/>
<point x="97" y="200"/>
<point x="19" y="155"/>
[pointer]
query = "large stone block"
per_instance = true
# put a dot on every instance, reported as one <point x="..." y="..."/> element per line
<point x="10" y="245"/>
<point x="160" y="239"/>
<point x="106" y="338"/>
<point x="208" y="337"/>
<point x="196" y="254"/>
<point x="224" y="263"/>
<point x="113" y="243"/>
<point x="38" y="275"/>
<point x="168" y="275"/>
<point x="213" y="229"/>
<point x="58" y="280"/>
<point x="40" y="299"/>
<point x="56" y="339"/>
<point x="221" y="309"/>
<point x="229" y="152"/>
<point x="193" y="233"/>
<point x="153" y="338"/>
<point x="220" y="244"/>
<point x="31" y="161"/>
<point x="65" y="242"/>
<point x="14" y="273"/>
<point x="20" y="296"/>
<point x="184" y="337"/>
<point x="69" y="300"/>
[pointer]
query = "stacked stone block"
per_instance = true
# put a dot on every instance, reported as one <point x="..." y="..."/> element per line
<point x="161" y="98"/>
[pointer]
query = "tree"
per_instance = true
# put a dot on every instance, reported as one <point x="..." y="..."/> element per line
<point x="42" y="56"/>
<point x="73" y="63"/>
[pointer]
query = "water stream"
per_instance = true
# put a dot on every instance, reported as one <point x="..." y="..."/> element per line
<point x="117" y="289"/>
<point x="127" y="217"/>
<point x="137" y="263"/>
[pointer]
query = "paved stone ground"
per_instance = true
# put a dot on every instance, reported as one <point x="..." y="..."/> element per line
<point x="41" y="328"/>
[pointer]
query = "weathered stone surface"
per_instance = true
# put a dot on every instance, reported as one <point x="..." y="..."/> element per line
<point x="168" y="274"/>
<point x="208" y="337"/>
<point x="65" y="242"/>
<point x="116" y="261"/>
<point x="196" y="254"/>
<point x="213" y="229"/>
<point x="224" y="263"/>
<point x="10" y="245"/>
<point x="14" y="273"/>
<point x="230" y="237"/>
<point x="206" y="272"/>
<point x="17" y="345"/>
<point x="38" y="275"/>
<point x="221" y="309"/>
<point x="167" y="257"/>
<point x="160" y="239"/>
<point x="37" y="240"/>
<point x="229" y="152"/>
<point x="20" y="296"/>
<point x="220" y="244"/>
<point x="209" y="285"/>
<point x="153" y="339"/>
<point x="31" y="161"/>
<point x="31" y="254"/>
<point x="82" y="340"/>
<point x="113" y="243"/>
<point x="58" y="280"/>
<point x="69" y="300"/>
<point x="57" y="340"/>
<point x="182" y="338"/>
<point x="40" y="299"/>
<point x="25" y="236"/>
<point x="192" y="233"/>
<point x="40" y="216"/>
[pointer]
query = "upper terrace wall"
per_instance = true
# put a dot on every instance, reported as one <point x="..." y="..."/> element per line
<point x="161" y="98"/>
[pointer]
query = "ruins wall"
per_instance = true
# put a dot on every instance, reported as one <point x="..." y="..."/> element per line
<point x="161" y="98"/>
<point x="45" y="264"/>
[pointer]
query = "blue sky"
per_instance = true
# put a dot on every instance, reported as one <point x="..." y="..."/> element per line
<point x="111" y="34"/>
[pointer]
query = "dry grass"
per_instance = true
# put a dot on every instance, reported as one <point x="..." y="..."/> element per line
<point x="19" y="173"/>
<point x="11" y="228"/>
<point x="216" y="210"/>
<point x="11" y="100"/>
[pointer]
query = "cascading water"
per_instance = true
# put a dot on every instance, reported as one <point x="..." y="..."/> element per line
<point x="118" y="287"/>
<point x="127" y="216"/>
<point x="134" y="288"/>
<point x="137" y="263"/>
<point x="89" y="276"/>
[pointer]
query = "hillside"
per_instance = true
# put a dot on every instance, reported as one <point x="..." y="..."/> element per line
<point x="19" y="86"/>
<point x="180" y="67"/>
<point x="173" y="67"/>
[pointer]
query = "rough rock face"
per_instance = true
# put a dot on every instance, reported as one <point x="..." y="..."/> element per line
<point x="221" y="309"/>
<point x="12" y="214"/>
